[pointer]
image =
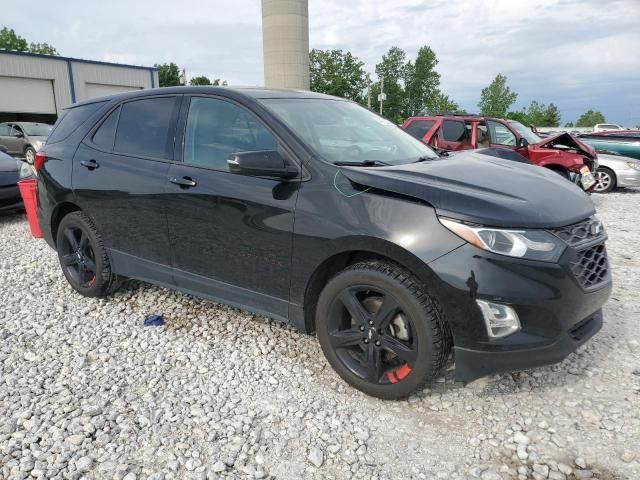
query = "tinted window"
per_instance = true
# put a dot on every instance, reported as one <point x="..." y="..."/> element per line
<point x="216" y="129"/>
<point x="5" y="130"/>
<point x="454" y="131"/>
<point x="144" y="127"/>
<point x="419" y="128"/>
<point x="500" y="134"/>
<point x="105" y="135"/>
<point x="71" y="119"/>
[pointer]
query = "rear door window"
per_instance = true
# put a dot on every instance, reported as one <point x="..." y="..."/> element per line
<point x="419" y="128"/>
<point x="105" y="135"/>
<point x="71" y="119"/>
<point x="145" y="127"/>
<point x="454" y="131"/>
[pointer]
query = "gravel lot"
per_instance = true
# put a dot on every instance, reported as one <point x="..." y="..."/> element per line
<point x="87" y="391"/>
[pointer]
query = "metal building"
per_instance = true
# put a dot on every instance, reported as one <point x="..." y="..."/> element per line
<point x="285" y="38"/>
<point x="36" y="87"/>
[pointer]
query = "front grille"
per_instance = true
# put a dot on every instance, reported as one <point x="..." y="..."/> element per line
<point x="591" y="266"/>
<point x="584" y="231"/>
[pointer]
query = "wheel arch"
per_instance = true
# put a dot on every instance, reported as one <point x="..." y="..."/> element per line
<point x="59" y="212"/>
<point x="339" y="260"/>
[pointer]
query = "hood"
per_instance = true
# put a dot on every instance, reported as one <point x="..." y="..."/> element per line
<point x="485" y="190"/>
<point x="566" y="140"/>
<point x="9" y="164"/>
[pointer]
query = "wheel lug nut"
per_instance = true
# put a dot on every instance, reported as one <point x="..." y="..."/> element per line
<point x="366" y="340"/>
<point x="361" y="328"/>
<point x="377" y="343"/>
<point x="370" y="322"/>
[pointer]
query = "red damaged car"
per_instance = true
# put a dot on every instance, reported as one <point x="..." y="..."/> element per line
<point x="562" y="153"/>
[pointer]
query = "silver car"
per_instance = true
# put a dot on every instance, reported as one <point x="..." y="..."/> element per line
<point x="24" y="138"/>
<point x="616" y="171"/>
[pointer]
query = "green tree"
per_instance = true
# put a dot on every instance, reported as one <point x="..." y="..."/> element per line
<point x="552" y="116"/>
<point x="590" y="118"/>
<point x="9" y="40"/>
<point x="169" y="75"/>
<point x="496" y="99"/>
<point x="421" y="85"/>
<point x="393" y="69"/>
<point x="441" y="103"/>
<point x="338" y="73"/>
<point x="537" y="114"/>
<point x="568" y="125"/>
<point x="201" y="80"/>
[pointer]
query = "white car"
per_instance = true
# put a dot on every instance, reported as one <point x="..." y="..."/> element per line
<point x="605" y="127"/>
<point x="616" y="171"/>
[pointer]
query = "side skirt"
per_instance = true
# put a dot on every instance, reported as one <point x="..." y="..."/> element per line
<point x="134" y="267"/>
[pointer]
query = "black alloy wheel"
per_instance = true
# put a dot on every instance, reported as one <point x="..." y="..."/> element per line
<point x="83" y="257"/>
<point x="380" y="330"/>
<point x="78" y="257"/>
<point x="372" y="335"/>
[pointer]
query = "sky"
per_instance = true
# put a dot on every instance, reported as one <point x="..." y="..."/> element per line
<point x="577" y="54"/>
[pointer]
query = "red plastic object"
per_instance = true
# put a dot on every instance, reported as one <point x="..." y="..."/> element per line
<point x="28" y="193"/>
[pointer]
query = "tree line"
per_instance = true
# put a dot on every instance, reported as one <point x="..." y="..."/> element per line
<point x="411" y="87"/>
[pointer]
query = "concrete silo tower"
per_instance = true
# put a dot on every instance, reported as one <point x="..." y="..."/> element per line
<point x="285" y="40"/>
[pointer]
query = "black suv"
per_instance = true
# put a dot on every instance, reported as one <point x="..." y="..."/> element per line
<point x="313" y="210"/>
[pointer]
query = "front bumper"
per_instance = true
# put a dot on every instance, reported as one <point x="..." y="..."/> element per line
<point x="557" y="313"/>
<point x="10" y="197"/>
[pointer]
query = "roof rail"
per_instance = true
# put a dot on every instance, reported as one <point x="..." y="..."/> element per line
<point x="455" y="114"/>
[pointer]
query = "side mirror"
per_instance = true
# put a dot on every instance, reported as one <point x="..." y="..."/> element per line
<point x="3" y="149"/>
<point x="523" y="143"/>
<point x="262" y="163"/>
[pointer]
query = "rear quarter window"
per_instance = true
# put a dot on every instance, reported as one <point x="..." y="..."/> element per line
<point x="454" y="131"/>
<point x="71" y="119"/>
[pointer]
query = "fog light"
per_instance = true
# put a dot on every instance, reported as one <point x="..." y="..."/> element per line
<point x="501" y="320"/>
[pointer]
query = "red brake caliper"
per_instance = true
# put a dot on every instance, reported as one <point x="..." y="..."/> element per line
<point x="399" y="373"/>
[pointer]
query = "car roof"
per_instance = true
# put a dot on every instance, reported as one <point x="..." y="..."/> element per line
<point x="231" y="92"/>
<point x="457" y="116"/>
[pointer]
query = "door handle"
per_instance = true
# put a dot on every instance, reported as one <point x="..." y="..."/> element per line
<point x="184" y="182"/>
<point x="90" y="164"/>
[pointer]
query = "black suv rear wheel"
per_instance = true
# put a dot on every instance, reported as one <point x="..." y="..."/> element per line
<point x="380" y="330"/>
<point x="83" y="257"/>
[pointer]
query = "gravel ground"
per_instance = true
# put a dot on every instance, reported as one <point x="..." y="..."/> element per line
<point x="87" y="391"/>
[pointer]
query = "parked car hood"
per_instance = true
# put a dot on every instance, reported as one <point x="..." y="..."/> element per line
<point x="485" y="190"/>
<point x="567" y="140"/>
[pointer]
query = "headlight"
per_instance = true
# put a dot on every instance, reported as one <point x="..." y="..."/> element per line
<point x="634" y="165"/>
<point x="529" y="244"/>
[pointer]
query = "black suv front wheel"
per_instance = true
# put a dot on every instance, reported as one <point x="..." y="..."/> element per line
<point x="83" y="257"/>
<point x="380" y="330"/>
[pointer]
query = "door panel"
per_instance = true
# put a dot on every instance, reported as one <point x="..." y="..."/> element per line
<point x="232" y="231"/>
<point x="231" y="235"/>
<point x="120" y="179"/>
<point x="125" y="196"/>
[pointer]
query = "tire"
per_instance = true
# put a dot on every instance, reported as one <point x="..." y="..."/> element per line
<point x="83" y="257"/>
<point x="30" y="155"/>
<point x="391" y="339"/>
<point x="606" y="180"/>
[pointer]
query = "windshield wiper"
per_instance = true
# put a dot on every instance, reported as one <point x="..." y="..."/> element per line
<point x="364" y="163"/>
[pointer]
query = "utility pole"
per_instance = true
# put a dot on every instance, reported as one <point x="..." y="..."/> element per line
<point x="368" y="91"/>
<point x="381" y="93"/>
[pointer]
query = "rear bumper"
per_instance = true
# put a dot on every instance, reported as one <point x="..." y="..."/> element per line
<point x="473" y="364"/>
<point x="10" y="197"/>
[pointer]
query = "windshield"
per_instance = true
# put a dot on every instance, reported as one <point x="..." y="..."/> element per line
<point x="37" y="130"/>
<point x="341" y="131"/>
<point x="525" y="132"/>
